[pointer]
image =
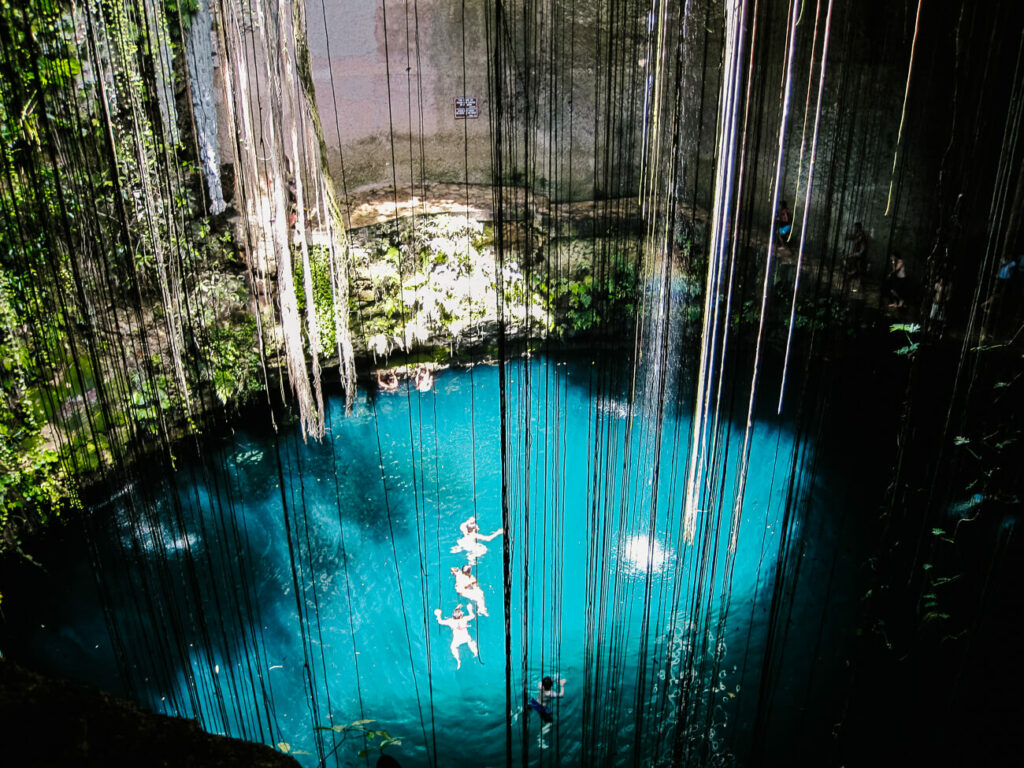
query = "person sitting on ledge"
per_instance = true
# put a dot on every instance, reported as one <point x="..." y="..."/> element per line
<point x="784" y="224"/>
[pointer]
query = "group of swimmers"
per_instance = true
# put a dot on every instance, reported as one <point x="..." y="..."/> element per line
<point x="467" y="586"/>
<point x="422" y="379"/>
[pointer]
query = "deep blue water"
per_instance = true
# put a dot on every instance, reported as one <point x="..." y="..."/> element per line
<point x="200" y="580"/>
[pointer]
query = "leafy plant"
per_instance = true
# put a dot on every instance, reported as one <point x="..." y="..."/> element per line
<point x="372" y="738"/>
<point x="907" y="328"/>
<point x="33" y="482"/>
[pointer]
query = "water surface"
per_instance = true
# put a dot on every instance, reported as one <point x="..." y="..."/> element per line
<point x="278" y="588"/>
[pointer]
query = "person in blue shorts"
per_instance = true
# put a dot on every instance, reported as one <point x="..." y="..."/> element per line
<point x="784" y="223"/>
<point x="546" y="692"/>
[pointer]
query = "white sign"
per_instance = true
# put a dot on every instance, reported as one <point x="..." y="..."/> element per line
<point x="466" y="108"/>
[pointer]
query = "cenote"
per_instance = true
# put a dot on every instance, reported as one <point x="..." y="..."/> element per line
<point x="200" y="576"/>
<point x="368" y="369"/>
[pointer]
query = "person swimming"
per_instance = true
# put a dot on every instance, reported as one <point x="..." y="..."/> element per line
<point x="471" y="538"/>
<point x="468" y="587"/>
<point x="543" y="711"/>
<point x="546" y="692"/>
<point x="547" y="688"/>
<point x="459" y="625"/>
<point x="387" y="381"/>
<point x="424" y="379"/>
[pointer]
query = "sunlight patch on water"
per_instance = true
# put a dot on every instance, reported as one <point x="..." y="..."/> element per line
<point x="643" y="556"/>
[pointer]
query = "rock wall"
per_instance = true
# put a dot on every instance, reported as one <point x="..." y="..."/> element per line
<point x="387" y="77"/>
<point x="50" y="722"/>
<point x="388" y="73"/>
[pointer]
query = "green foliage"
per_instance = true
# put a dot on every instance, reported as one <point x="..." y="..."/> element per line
<point x="33" y="483"/>
<point x="378" y="739"/>
<point x="187" y="8"/>
<point x="100" y="260"/>
<point x="439" y="280"/>
<point x="907" y="328"/>
<point x="323" y="296"/>
<point x="229" y="341"/>
<point x="815" y="314"/>
<point x="149" y="398"/>
<point x="425" y="281"/>
<point x="587" y="302"/>
<point x="233" y="352"/>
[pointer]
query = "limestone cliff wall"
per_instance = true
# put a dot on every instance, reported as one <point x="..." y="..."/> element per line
<point x="387" y="76"/>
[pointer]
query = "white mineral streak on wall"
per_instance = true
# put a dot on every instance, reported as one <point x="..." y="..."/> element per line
<point x="163" y="70"/>
<point x="277" y="34"/>
<point x="199" y="54"/>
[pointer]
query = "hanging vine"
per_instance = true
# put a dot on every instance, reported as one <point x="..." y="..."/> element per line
<point x="120" y="283"/>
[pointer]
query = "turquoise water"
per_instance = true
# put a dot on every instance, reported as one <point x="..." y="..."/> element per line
<point x="603" y="590"/>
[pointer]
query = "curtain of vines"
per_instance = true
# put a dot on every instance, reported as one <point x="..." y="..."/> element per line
<point x="132" y="306"/>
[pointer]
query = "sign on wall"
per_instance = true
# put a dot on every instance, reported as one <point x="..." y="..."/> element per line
<point x="466" y="108"/>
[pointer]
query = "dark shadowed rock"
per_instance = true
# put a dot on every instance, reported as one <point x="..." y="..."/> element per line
<point x="46" y="722"/>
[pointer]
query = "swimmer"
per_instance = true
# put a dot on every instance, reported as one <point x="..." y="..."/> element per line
<point x="459" y="624"/>
<point x="545" y="714"/>
<point x="424" y="379"/>
<point x="468" y="587"/>
<point x="387" y="382"/>
<point x="546" y="692"/>
<point x="471" y="538"/>
<point x="547" y="689"/>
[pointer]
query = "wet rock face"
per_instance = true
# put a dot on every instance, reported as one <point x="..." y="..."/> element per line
<point x="51" y="722"/>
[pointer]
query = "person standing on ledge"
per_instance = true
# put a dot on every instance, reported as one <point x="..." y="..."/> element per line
<point x="471" y="538"/>
<point x="897" y="281"/>
<point x="783" y="224"/>
<point x="857" y="258"/>
<point x="459" y="624"/>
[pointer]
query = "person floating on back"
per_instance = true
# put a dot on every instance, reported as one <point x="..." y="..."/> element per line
<point x="468" y="587"/>
<point x="459" y="624"/>
<point x="471" y="538"/>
